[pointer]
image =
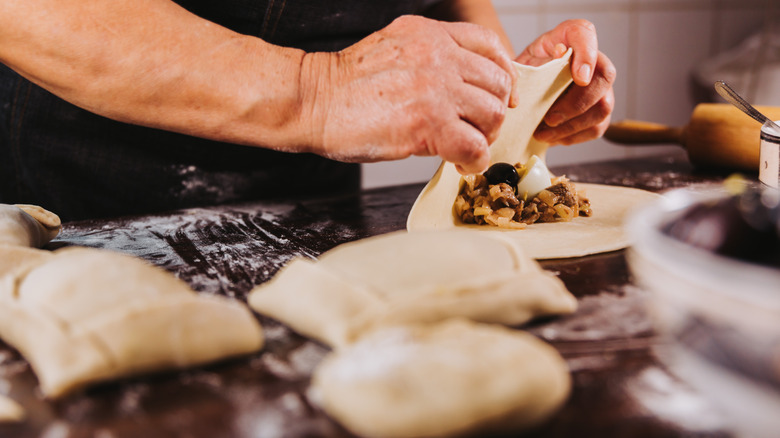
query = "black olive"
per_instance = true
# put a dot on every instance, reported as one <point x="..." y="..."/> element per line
<point x="502" y="173"/>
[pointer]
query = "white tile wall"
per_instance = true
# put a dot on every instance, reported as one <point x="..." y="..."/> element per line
<point x="653" y="43"/>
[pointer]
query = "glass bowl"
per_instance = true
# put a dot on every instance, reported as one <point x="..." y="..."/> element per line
<point x="719" y="316"/>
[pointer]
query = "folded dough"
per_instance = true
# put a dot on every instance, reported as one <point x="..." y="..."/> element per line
<point x="602" y="232"/>
<point x="27" y="225"/>
<point x="10" y="411"/>
<point x="446" y="379"/>
<point x="403" y="278"/>
<point x="85" y="315"/>
<point x="15" y="260"/>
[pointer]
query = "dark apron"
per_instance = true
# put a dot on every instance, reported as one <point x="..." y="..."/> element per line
<point x="80" y="165"/>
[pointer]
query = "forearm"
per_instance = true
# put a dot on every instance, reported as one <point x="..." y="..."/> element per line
<point x="152" y="63"/>
<point x="479" y="12"/>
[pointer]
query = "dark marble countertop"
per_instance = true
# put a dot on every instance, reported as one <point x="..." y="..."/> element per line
<point x="621" y="388"/>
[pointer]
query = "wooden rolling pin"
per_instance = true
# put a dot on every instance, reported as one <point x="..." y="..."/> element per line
<point x="718" y="135"/>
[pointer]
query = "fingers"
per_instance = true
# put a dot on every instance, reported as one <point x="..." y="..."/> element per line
<point x="588" y="126"/>
<point x="580" y="35"/>
<point x="486" y="43"/>
<point x="484" y="74"/>
<point x="589" y="134"/>
<point x="465" y="147"/>
<point x="578" y="100"/>
<point x="417" y="87"/>
<point x="463" y="132"/>
<point x="483" y="111"/>
<point x="489" y="75"/>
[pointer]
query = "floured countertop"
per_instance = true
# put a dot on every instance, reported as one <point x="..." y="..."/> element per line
<point x="620" y="387"/>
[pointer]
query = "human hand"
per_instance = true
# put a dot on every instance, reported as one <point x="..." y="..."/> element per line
<point x="583" y="112"/>
<point x="416" y="87"/>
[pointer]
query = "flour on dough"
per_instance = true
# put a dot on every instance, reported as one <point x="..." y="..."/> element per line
<point x="538" y="88"/>
<point x="453" y="378"/>
<point x="403" y="278"/>
<point x="27" y="225"/>
<point x="85" y="315"/>
<point x="10" y="411"/>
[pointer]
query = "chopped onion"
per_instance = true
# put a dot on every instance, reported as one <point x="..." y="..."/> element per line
<point x="482" y="211"/>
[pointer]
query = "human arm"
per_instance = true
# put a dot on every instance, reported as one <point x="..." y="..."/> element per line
<point x="151" y="62"/>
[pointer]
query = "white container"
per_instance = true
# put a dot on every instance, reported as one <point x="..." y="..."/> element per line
<point x="720" y="316"/>
<point x="769" y="169"/>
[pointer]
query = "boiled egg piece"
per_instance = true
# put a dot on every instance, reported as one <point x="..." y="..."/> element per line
<point x="534" y="179"/>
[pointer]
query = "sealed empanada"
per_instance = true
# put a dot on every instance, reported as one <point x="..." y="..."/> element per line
<point x="27" y="225"/>
<point x="405" y="278"/>
<point x="83" y="315"/>
<point x="456" y="378"/>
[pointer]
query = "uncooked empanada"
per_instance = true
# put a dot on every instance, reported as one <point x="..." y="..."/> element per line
<point x="603" y="231"/>
<point x="448" y="379"/>
<point x="27" y="225"/>
<point x="402" y="278"/>
<point x="18" y="259"/>
<point x="86" y="315"/>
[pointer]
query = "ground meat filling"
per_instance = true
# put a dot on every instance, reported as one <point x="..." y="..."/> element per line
<point x="480" y="202"/>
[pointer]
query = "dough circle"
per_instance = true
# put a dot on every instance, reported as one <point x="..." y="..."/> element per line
<point x="446" y="379"/>
<point x="538" y="88"/>
<point x="601" y="232"/>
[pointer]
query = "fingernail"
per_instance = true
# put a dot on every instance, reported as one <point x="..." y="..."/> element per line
<point x="584" y="73"/>
<point x="514" y="99"/>
<point x="560" y="50"/>
<point x="554" y="119"/>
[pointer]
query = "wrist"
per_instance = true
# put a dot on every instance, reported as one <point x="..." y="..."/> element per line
<point x="270" y="100"/>
<point x="316" y="70"/>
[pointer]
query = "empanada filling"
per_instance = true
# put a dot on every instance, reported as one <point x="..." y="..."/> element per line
<point x="493" y="198"/>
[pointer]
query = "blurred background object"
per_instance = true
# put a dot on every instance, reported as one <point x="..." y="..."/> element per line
<point x="664" y="50"/>
<point x="752" y="67"/>
<point x="710" y="259"/>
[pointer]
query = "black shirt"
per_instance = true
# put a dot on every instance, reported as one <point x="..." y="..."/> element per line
<point x="81" y="165"/>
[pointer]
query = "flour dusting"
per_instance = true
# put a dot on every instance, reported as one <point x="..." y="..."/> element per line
<point x="666" y="397"/>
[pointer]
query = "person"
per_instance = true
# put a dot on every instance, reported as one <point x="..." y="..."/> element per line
<point x="116" y="108"/>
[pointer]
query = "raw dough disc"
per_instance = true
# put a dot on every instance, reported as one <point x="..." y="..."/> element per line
<point x="446" y="379"/>
<point x="10" y="410"/>
<point x="27" y="225"/>
<point x="84" y="315"/>
<point x="402" y="278"/>
<point x="539" y="87"/>
<point x="602" y="232"/>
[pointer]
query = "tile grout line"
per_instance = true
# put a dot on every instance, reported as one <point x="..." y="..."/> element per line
<point x="632" y="66"/>
<point x="633" y="59"/>
<point x="717" y="14"/>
